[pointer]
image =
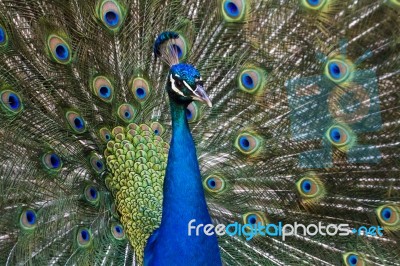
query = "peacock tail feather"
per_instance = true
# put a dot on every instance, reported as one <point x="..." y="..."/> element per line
<point x="304" y="126"/>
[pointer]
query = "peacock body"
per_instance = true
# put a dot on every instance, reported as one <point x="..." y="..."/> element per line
<point x="299" y="124"/>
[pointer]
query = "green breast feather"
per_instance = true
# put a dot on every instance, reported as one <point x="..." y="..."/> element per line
<point x="137" y="158"/>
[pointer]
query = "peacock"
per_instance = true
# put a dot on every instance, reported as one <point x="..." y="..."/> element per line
<point x="128" y="129"/>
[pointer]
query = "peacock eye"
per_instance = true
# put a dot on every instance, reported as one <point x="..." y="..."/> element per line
<point x="140" y="89"/>
<point x="92" y="194"/>
<point x="97" y="163"/>
<point x="52" y="161"/>
<point x="178" y="83"/>
<point x="179" y="47"/>
<point x="59" y="49"/>
<point x="338" y="135"/>
<point x="307" y="186"/>
<point x="310" y="187"/>
<point x="338" y="70"/>
<point x="84" y="237"/>
<point x="353" y="259"/>
<point x="111" y="14"/>
<point x="252" y="79"/>
<point x="76" y="122"/>
<point x="105" y="134"/>
<point x="157" y="128"/>
<point x="11" y="102"/>
<point x="234" y="10"/>
<point x="214" y="184"/>
<point x="341" y="136"/>
<point x="28" y="219"/>
<point x="389" y="216"/>
<point x="117" y="231"/>
<point x="193" y="112"/>
<point x="248" y="143"/>
<point x="126" y="112"/>
<point x="103" y="88"/>
<point x="255" y="218"/>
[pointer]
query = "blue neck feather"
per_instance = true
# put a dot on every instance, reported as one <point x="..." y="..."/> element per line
<point x="183" y="201"/>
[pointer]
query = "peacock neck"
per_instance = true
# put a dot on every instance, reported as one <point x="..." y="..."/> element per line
<point x="183" y="201"/>
<point x="183" y="190"/>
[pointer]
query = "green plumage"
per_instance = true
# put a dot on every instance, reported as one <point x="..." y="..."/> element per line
<point x="304" y="126"/>
<point x="136" y="158"/>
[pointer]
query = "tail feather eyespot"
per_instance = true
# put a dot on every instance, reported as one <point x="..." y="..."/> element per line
<point x="111" y="14"/>
<point x="52" y="161"/>
<point x="28" y="219"/>
<point x="353" y="259"/>
<point x="11" y="102"/>
<point x="59" y="49"/>
<point x="84" y="237"/>
<point x="76" y="122"/>
<point x="103" y="88"/>
<point x="126" y="112"/>
<point x="234" y="10"/>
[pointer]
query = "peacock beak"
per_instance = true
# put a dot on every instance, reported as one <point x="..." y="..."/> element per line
<point x="201" y="95"/>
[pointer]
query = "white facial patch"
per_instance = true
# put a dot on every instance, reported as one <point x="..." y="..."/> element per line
<point x="174" y="88"/>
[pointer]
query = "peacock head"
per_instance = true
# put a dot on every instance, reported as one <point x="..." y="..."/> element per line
<point x="184" y="82"/>
<point x="185" y="85"/>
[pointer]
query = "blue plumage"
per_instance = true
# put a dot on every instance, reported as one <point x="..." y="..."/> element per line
<point x="183" y="182"/>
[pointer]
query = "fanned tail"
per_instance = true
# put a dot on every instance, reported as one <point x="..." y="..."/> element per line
<point x="304" y="125"/>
